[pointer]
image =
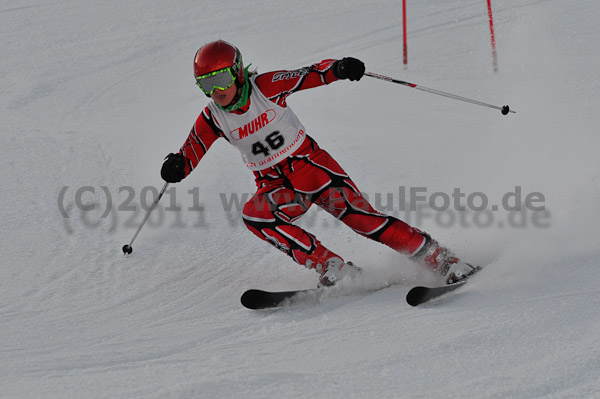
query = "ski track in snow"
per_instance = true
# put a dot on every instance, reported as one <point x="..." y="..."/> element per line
<point x="95" y="96"/>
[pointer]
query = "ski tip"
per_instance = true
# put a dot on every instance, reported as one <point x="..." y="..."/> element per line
<point x="420" y="295"/>
<point x="258" y="299"/>
<point x="415" y="296"/>
<point x="252" y="299"/>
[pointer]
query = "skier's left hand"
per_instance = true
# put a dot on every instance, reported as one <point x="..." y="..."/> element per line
<point x="348" y="68"/>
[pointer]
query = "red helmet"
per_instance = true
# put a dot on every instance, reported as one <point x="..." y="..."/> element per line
<point x="218" y="55"/>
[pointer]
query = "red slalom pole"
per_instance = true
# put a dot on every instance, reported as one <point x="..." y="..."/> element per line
<point x="494" y="54"/>
<point x="405" y="50"/>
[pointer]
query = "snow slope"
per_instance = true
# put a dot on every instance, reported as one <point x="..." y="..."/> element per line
<point x="94" y="95"/>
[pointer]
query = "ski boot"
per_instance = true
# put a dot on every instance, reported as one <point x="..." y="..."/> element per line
<point x="335" y="270"/>
<point x="443" y="261"/>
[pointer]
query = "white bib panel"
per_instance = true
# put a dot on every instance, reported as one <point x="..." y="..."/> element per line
<point x="265" y="135"/>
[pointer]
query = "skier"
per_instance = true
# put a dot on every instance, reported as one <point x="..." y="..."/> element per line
<point x="291" y="171"/>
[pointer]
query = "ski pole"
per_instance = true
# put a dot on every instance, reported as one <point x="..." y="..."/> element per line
<point x="504" y="109"/>
<point x="127" y="249"/>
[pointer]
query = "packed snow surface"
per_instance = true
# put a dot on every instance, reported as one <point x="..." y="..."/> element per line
<point x="96" y="94"/>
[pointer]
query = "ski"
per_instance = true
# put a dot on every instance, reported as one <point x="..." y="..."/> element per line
<point x="419" y="295"/>
<point x="259" y="299"/>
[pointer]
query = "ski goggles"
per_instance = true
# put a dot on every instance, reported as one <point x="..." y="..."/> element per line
<point x="222" y="79"/>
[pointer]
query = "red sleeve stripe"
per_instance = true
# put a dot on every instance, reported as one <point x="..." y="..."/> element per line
<point x="189" y="164"/>
<point x="298" y="85"/>
<point x="184" y="152"/>
<point x="198" y="140"/>
<point x="211" y="122"/>
<point x="322" y="76"/>
<point x="279" y="99"/>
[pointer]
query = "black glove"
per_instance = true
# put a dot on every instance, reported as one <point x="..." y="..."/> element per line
<point x="348" y="68"/>
<point x="173" y="170"/>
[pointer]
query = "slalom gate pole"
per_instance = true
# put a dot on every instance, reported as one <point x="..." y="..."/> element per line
<point x="505" y="109"/>
<point x="127" y="249"/>
<point x="494" y="53"/>
<point x="405" y="45"/>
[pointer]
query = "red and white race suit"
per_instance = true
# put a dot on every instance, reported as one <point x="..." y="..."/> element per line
<point x="291" y="171"/>
<point x="265" y="134"/>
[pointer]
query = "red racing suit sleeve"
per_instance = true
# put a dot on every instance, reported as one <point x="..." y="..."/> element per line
<point x="202" y="136"/>
<point x="276" y="86"/>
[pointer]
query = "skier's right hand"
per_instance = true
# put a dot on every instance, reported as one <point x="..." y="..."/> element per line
<point x="173" y="170"/>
